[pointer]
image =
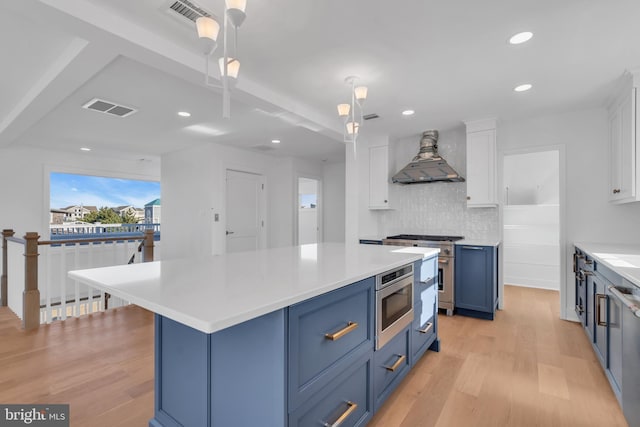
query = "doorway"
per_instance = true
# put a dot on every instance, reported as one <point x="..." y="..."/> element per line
<point x="244" y="211"/>
<point x="532" y="219"/>
<point x="309" y="218"/>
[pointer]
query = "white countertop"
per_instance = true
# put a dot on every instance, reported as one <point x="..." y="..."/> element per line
<point x="479" y="242"/>
<point x="425" y="252"/>
<point x="623" y="259"/>
<point x="213" y="293"/>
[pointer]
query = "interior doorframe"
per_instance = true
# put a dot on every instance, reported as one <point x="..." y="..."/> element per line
<point x="562" y="165"/>
<point x="262" y="204"/>
<point x="296" y="208"/>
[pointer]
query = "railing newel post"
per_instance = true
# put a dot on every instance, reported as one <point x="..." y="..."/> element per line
<point x="31" y="294"/>
<point x="5" y="267"/>
<point x="147" y="255"/>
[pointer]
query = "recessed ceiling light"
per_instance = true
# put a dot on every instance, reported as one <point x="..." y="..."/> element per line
<point x="408" y="113"/>
<point x="521" y="37"/>
<point x="275" y="141"/>
<point x="85" y="149"/>
<point x="522" y="88"/>
<point x="184" y="114"/>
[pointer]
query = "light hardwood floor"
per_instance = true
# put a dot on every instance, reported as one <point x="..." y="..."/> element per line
<point x="526" y="368"/>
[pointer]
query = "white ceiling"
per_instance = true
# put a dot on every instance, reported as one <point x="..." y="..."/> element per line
<point x="449" y="61"/>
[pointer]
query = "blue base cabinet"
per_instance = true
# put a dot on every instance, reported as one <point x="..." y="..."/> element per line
<point x="207" y="379"/>
<point x="476" y="281"/>
<point x="309" y="364"/>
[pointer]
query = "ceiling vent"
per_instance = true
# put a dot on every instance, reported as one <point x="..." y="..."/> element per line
<point x="186" y="10"/>
<point x="108" y="107"/>
<point x="370" y="116"/>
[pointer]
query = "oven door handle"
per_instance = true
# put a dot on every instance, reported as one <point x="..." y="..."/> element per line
<point x="443" y="261"/>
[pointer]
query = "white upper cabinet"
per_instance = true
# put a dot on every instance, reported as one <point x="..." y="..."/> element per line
<point x="379" y="177"/>
<point x="481" y="163"/>
<point x="623" y="153"/>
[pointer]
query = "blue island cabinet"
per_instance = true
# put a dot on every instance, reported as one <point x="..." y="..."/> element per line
<point x="476" y="281"/>
<point x="295" y="366"/>
<point x="233" y="377"/>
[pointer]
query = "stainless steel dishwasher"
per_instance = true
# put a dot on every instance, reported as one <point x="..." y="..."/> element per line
<point x="628" y="297"/>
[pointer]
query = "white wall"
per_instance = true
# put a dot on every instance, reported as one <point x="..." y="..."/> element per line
<point x="435" y="208"/>
<point x="24" y="181"/>
<point x="193" y="191"/>
<point x="334" y="202"/>
<point x="589" y="215"/>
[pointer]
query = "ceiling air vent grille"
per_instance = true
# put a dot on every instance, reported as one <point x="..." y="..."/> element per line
<point x="188" y="10"/>
<point x="370" y="116"/>
<point x="108" y="107"/>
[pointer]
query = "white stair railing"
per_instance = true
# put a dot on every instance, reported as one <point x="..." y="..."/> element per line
<point x="60" y="297"/>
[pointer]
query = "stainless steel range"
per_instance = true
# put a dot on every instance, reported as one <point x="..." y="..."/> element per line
<point x="446" y="261"/>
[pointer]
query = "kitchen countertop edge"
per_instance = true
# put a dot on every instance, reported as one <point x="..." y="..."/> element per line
<point x="153" y="295"/>
<point x="597" y="250"/>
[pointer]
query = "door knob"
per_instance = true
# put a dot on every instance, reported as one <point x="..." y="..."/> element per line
<point x="229" y="232"/>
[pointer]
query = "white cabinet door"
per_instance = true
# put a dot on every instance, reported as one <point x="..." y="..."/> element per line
<point x="379" y="177"/>
<point x="481" y="168"/>
<point x="622" y="149"/>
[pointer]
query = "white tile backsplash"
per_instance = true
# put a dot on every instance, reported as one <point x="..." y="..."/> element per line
<point x="436" y="208"/>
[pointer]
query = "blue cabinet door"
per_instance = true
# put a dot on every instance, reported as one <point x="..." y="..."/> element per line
<point x="344" y="401"/>
<point x="476" y="280"/>
<point x="614" y="332"/>
<point x="390" y="364"/>
<point x="425" y="318"/>
<point x="323" y="332"/>
<point x="600" y="318"/>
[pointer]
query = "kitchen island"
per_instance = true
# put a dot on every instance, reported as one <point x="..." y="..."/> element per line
<point x="227" y="345"/>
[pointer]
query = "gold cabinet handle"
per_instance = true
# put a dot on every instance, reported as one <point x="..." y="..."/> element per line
<point x="342" y="332"/>
<point x="352" y="407"/>
<point x="427" y="329"/>
<point x="599" y="321"/>
<point x="400" y="361"/>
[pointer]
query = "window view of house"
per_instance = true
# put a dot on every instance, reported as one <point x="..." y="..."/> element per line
<point x="88" y="205"/>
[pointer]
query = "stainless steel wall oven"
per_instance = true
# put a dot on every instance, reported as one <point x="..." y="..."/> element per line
<point x="394" y="303"/>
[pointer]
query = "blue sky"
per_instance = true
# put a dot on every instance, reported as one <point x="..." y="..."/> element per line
<point x="70" y="189"/>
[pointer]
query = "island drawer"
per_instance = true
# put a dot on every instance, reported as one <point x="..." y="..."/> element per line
<point x="323" y="332"/>
<point x="345" y="401"/>
<point x="390" y="365"/>
<point x="423" y="329"/>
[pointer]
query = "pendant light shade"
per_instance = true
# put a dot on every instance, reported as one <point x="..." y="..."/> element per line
<point x="361" y="93"/>
<point x="208" y="30"/>
<point x="352" y="128"/>
<point x="236" y="11"/>
<point x="343" y="110"/>
<point x="233" y="67"/>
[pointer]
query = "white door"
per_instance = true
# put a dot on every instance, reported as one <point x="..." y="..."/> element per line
<point x="308" y="211"/>
<point x="245" y="223"/>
